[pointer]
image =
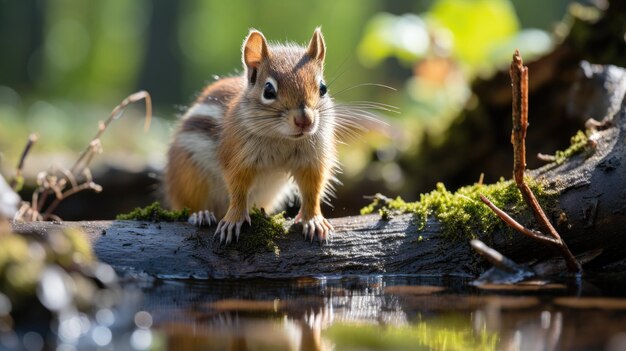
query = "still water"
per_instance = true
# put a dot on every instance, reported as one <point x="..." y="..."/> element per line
<point x="386" y="313"/>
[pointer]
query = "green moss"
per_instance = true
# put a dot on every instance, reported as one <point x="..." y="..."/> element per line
<point x="371" y="207"/>
<point x="578" y="144"/>
<point x="385" y="215"/>
<point x="263" y="233"/>
<point x="154" y="212"/>
<point x="462" y="214"/>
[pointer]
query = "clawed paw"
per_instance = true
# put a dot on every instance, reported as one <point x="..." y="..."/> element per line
<point x="317" y="224"/>
<point x="202" y="218"/>
<point x="225" y="228"/>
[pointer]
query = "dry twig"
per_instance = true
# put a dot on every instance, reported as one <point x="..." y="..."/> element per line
<point x="519" y="82"/>
<point x="18" y="180"/>
<point x="63" y="183"/>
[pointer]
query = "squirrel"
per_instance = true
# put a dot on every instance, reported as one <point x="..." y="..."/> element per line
<point x="248" y="138"/>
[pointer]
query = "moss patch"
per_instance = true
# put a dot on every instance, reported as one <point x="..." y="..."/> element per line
<point x="578" y="144"/>
<point x="263" y="233"/>
<point x="462" y="214"/>
<point x="154" y="212"/>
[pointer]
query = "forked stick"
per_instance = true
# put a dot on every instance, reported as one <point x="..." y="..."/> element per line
<point x="549" y="235"/>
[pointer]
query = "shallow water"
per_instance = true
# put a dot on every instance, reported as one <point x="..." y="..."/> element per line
<point x="388" y="313"/>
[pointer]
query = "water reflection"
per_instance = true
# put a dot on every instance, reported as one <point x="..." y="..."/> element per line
<point x="375" y="313"/>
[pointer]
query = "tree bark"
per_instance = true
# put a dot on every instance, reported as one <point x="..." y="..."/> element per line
<point x="590" y="215"/>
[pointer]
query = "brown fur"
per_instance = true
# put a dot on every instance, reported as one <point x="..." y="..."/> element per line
<point x="186" y="185"/>
<point x="222" y="91"/>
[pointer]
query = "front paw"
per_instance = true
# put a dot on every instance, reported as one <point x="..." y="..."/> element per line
<point x="228" y="223"/>
<point x="202" y="218"/>
<point x="316" y="224"/>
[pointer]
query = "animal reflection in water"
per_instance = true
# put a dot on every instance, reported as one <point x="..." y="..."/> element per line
<point x="399" y="318"/>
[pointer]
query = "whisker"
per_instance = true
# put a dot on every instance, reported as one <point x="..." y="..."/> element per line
<point x="340" y="69"/>
<point x="361" y="107"/>
<point x="355" y="114"/>
<point x="370" y="105"/>
<point x="266" y="117"/>
<point x="379" y="85"/>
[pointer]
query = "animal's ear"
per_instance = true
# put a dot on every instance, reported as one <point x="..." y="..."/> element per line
<point x="317" y="48"/>
<point x="255" y="50"/>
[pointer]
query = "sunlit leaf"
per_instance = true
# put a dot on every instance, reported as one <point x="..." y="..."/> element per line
<point x="405" y="37"/>
<point x="477" y="26"/>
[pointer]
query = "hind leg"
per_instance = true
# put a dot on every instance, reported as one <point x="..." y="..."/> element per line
<point x="202" y="218"/>
<point x="188" y="187"/>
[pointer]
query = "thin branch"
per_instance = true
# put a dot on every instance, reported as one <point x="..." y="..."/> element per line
<point x="517" y="226"/>
<point x="519" y="83"/>
<point x="546" y="158"/>
<point x="17" y="180"/>
<point x="90" y="185"/>
<point x="496" y="258"/>
<point x="115" y="114"/>
<point x="379" y="197"/>
<point x="481" y="179"/>
<point x="69" y="176"/>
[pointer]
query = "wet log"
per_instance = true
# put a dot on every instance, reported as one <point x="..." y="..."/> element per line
<point x="590" y="216"/>
<point x="362" y="245"/>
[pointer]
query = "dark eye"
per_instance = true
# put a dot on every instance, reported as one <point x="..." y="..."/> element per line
<point x="323" y="89"/>
<point x="269" y="92"/>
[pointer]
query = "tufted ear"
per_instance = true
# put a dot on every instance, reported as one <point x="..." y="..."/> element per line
<point x="317" y="48"/>
<point x="255" y="50"/>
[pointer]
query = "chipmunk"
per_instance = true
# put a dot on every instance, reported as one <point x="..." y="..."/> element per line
<point x="247" y="138"/>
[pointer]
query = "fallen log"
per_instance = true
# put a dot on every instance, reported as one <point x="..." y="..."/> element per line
<point x="590" y="214"/>
<point x="362" y="245"/>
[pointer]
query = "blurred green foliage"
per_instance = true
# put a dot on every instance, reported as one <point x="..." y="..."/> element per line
<point x="446" y="47"/>
<point x="460" y="27"/>
<point x="476" y="26"/>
